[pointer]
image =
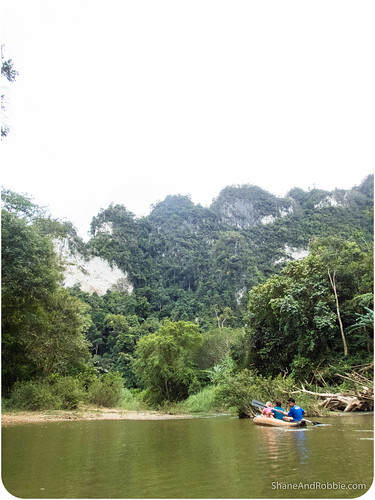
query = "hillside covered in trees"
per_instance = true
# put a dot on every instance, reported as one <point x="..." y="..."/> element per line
<point x="253" y="285"/>
<point x="185" y="260"/>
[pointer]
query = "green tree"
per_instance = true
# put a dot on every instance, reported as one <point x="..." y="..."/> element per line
<point x="291" y="315"/>
<point x="10" y="74"/>
<point x="41" y="324"/>
<point x="219" y="344"/>
<point x="61" y="347"/>
<point x="346" y="267"/>
<point x="165" y="360"/>
<point x="292" y="318"/>
<point x="120" y="344"/>
<point x="364" y="325"/>
<point x="20" y="205"/>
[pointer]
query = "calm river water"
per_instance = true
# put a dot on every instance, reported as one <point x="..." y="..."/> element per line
<point x="218" y="457"/>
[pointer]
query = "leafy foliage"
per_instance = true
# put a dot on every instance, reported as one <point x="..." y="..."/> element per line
<point x="165" y="360"/>
<point x="184" y="259"/>
<point x="106" y="390"/>
<point x="292" y="318"/>
<point x="41" y="322"/>
<point x="66" y="393"/>
<point x="219" y="303"/>
<point x="240" y="388"/>
<point x="9" y="73"/>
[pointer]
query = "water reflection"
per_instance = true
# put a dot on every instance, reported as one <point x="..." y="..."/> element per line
<point x="272" y="445"/>
<point x="207" y="458"/>
<point x="300" y="444"/>
<point x="281" y="446"/>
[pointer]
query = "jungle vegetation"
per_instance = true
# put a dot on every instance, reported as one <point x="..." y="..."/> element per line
<point x="254" y="293"/>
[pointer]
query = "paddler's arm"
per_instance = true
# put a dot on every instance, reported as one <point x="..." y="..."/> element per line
<point x="280" y="411"/>
<point x="284" y="413"/>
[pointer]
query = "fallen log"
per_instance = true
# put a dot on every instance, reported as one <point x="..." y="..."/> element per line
<point x="361" y="401"/>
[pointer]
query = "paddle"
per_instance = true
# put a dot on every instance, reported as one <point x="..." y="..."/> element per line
<point x="259" y="404"/>
<point x="313" y="423"/>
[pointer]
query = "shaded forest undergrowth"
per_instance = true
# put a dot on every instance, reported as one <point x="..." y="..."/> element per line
<point x="232" y="393"/>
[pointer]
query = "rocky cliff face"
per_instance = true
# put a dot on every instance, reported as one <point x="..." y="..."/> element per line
<point x="92" y="275"/>
<point x="292" y="253"/>
<point x="248" y="206"/>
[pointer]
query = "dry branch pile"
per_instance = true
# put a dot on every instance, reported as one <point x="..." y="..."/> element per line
<point x="361" y="398"/>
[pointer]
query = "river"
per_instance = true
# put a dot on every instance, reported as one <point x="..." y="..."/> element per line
<point x="216" y="457"/>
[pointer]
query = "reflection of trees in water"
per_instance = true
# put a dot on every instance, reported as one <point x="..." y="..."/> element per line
<point x="301" y="445"/>
<point x="285" y="447"/>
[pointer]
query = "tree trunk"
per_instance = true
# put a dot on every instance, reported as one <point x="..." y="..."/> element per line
<point x="217" y="317"/>
<point x="166" y="388"/>
<point x="332" y="279"/>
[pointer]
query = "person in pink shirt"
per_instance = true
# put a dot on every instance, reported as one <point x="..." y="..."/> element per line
<point x="267" y="412"/>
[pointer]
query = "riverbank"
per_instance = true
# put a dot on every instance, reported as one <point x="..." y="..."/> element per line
<point x="29" y="417"/>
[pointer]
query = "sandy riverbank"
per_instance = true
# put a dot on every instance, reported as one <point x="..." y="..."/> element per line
<point x="12" y="418"/>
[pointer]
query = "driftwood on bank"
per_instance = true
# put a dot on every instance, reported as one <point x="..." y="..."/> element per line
<point x="361" y="398"/>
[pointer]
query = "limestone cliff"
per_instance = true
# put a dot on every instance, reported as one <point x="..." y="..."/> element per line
<point x="92" y="274"/>
<point x="248" y="206"/>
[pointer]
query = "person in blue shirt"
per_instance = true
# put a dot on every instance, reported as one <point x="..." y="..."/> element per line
<point x="278" y="410"/>
<point x="295" y="412"/>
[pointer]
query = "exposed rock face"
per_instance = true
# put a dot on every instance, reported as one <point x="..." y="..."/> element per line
<point x="92" y="275"/>
<point x="296" y="253"/>
<point x="105" y="227"/>
<point x="292" y="253"/>
<point x="240" y="294"/>
<point x="248" y="206"/>
<point x="328" y="201"/>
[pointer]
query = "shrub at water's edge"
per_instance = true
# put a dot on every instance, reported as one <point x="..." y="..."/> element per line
<point x="106" y="390"/>
<point x="204" y="401"/>
<point x="65" y="393"/>
<point x="238" y="390"/>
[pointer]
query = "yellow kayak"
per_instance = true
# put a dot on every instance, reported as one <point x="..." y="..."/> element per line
<point x="275" y="422"/>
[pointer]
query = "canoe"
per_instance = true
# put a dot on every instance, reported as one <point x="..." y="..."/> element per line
<point x="275" y="422"/>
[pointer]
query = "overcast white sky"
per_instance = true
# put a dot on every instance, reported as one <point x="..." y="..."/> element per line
<point x="129" y="101"/>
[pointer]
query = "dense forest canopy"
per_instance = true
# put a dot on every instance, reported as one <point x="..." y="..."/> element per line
<point x="253" y="282"/>
<point x="205" y="257"/>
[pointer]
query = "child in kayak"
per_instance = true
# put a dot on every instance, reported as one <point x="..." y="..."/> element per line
<point x="267" y="412"/>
